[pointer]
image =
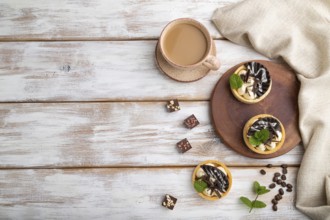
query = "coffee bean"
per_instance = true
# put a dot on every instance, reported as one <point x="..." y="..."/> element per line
<point x="275" y="179"/>
<point x="269" y="165"/>
<point x="284" y="166"/>
<point x="289" y="186"/>
<point x="263" y="172"/>
<point x="277" y="174"/>
<point x="283" y="184"/>
<point x="283" y="177"/>
<point x="279" y="181"/>
<point x="281" y="192"/>
<point x="278" y="197"/>
<point x="284" y="171"/>
<point x="272" y="186"/>
<point x="275" y="208"/>
<point x="274" y="201"/>
<point x="289" y="189"/>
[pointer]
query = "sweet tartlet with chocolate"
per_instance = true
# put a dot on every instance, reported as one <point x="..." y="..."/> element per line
<point x="264" y="134"/>
<point x="212" y="180"/>
<point x="250" y="83"/>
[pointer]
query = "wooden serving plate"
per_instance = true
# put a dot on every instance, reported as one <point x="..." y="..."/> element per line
<point x="230" y="115"/>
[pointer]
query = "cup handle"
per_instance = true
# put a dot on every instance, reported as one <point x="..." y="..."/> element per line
<point x="212" y="62"/>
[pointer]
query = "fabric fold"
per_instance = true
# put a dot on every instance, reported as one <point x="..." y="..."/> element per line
<point x="298" y="32"/>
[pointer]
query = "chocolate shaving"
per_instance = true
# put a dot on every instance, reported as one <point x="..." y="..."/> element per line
<point x="247" y="75"/>
<point x="261" y="77"/>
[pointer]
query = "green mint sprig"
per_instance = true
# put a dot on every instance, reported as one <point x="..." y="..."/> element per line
<point x="259" y="190"/>
<point x="235" y="81"/>
<point x="259" y="137"/>
<point x="200" y="185"/>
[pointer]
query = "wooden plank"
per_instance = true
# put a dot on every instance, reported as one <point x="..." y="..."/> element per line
<point x="95" y="71"/>
<point x="113" y="134"/>
<point x="98" y="19"/>
<point x="130" y="194"/>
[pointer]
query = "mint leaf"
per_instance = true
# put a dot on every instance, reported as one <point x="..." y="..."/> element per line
<point x="246" y="201"/>
<point x="200" y="185"/>
<point x="258" y="204"/>
<point x="262" y="135"/>
<point x="254" y="141"/>
<point x="235" y="81"/>
<point x="256" y="186"/>
<point x="259" y="137"/>
<point x="263" y="191"/>
<point x="259" y="190"/>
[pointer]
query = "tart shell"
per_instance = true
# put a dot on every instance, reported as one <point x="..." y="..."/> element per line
<point x="247" y="101"/>
<point x="217" y="163"/>
<point x="247" y="127"/>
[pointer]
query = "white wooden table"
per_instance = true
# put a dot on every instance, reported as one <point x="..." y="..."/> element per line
<point x="84" y="133"/>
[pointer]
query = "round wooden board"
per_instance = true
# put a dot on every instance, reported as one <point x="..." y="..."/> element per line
<point x="230" y="115"/>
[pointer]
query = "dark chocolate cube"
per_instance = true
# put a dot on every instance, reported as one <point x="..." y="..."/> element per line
<point x="191" y="121"/>
<point x="184" y="145"/>
<point x="173" y="105"/>
<point x="169" y="202"/>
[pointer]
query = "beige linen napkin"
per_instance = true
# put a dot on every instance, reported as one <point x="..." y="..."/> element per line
<point x="297" y="31"/>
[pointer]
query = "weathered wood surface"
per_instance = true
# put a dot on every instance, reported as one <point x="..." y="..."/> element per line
<point x="95" y="71"/>
<point x="112" y="134"/>
<point x="79" y="64"/>
<point x="131" y="194"/>
<point x="98" y="19"/>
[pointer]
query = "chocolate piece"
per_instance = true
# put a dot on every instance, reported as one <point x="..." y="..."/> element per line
<point x="277" y="174"/>
<point x="284" y="171"/>
<point x="283" y="184"/>
<point x="262" y="171"/>
<point x="289" y="186"/>
<point x="281" y="191"/>
<point x="284" y="166"/>
<point x="169" y="202"/>
<point x="289" y="189"/>
<point x="279" y="181"/>
<point x="191" y="121"/>
<point x="173" y="105"/>
<point x="183" y="145"/>
<point x="274" y="201"/>
<point x="275" y="208"/>
<point x="269" y="166"/>
<point x="283" y="177"/>
<point x="275" y="179"/>
<point x="272" y="186"/>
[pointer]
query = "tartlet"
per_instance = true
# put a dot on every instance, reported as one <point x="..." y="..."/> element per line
<point x="256" y="83"/>
<point x="217" y="177"/>
<point x="275" y="139"/>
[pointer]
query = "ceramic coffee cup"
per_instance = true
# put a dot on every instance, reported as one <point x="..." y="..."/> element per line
<point x="186" y="44"/>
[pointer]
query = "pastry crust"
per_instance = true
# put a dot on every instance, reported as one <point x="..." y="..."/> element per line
<point x="216" y="163"/>
<point x="249" y="101"/>
<point x="253" y="148"/>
